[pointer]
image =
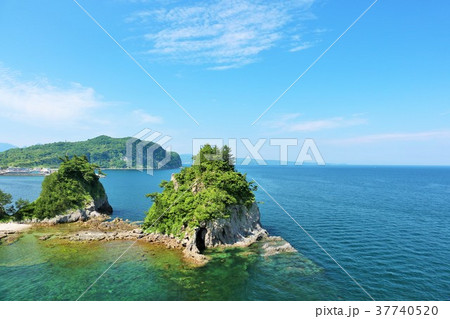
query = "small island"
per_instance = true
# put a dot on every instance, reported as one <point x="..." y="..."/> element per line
<point x="207" y="205"/>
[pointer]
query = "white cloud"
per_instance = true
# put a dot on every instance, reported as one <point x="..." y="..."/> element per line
<point x="326" y="124"/>
<point x="287" y="117"/>
<point x="415" y="136"/>
<point x="222" y="33"/>
<point x="145" y="118"/>
<point x="302" y="47"/>
<point x="288" y="122"/>
<point x="41" y="102"/>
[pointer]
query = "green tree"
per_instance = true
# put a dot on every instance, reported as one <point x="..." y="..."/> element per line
<point x="228" y="156"/>
<point x="5" y="199"/>
<point x="21" y="203"/>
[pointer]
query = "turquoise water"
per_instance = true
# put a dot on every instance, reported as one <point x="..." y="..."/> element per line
<point x="389" y="227"/>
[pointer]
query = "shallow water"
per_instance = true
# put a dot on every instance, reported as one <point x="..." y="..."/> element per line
<point x="31" y="269"/>
<point x="387" y="226"/>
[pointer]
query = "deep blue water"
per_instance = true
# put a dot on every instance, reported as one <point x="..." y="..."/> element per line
<point x="389" y="227"/>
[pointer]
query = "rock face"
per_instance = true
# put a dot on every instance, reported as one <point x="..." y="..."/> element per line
<point x="92" y="209"/>
<point x="242" y="228"/>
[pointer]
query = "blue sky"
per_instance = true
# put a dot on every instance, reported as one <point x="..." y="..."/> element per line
<point x="380" y="95"/>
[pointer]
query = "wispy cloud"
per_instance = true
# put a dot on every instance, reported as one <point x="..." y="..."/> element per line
<point x="289" y="122"/>
<point x="327" y="124"/>
<point x="145" y="118"/>
<point x="222" y="33"/>
<point x="414" y="136"/>
<point x="41" y="102"/>
<point x="302" y="47"/>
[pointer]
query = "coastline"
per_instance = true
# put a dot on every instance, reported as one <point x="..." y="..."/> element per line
<point x="11" y="231"/>
<point x="102" y="168"/>
<point x="100" y="229"/>
<point x="24" y="174"/>
<point x="13" y="227"/>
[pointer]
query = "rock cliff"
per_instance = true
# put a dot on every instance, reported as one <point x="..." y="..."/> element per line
<point x="242" y="228"/>
<point x="92" y="209"/>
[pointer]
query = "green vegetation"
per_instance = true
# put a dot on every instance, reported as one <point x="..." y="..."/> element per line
<point x="7" y="210"/>
<point x="199" y="193"/>
<point x="5" y="199"/>
<point x="104" y="151"/>
<point x="74" y="184"/>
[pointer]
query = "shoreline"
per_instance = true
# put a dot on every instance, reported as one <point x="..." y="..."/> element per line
<point x="31" y="175"/>
<point x="103" y="169"/>
<point x="10" y="231"/>
<point x="14" y="227"/>
<point x="101" y="229"/>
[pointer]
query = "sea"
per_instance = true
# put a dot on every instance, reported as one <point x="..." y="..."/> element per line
<point x="361" y="232"/>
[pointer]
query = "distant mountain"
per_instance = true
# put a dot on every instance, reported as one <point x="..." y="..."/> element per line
<point x="6" y="146"/>
<point x="105" y="151"/>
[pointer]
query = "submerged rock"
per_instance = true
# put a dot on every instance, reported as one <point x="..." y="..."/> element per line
<point x="45" y="237"/>
<point x="277" y="245"/>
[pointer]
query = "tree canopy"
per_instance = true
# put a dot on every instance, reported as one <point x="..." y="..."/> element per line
<point x="75" y="183"/>
<point x="7" y="209"/>
<point x="199" y="193"/>
<point x="5" y="199"/>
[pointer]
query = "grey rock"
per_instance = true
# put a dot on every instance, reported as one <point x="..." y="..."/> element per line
<point x="242" y="228"/>
<point x="277" y="245"/>
<point x="92" y="209"/>
<point x="174" y="181"/>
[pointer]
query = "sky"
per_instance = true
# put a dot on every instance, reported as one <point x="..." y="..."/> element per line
<point x="209" y="69"/>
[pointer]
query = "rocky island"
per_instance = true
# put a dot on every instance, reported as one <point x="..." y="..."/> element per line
<point x="207" y="205"/>
<point x="73" y="193"/>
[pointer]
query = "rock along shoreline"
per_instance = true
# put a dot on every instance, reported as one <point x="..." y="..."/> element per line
<point x="242" y="229"/>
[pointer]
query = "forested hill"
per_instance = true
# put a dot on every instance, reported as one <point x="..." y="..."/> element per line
<point x="105" y="151"/>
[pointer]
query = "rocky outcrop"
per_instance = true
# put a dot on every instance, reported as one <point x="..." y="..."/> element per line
<point x="99" y="208"/>
<point x="242" y="228"/>
<point x="102" y="205"/>
<point x="275" y="245"/>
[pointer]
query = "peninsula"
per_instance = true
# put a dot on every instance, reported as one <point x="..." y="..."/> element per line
<point x="104" y="151"/>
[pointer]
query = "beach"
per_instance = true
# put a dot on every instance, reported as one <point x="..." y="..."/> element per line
<point x="13" y="227"/>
